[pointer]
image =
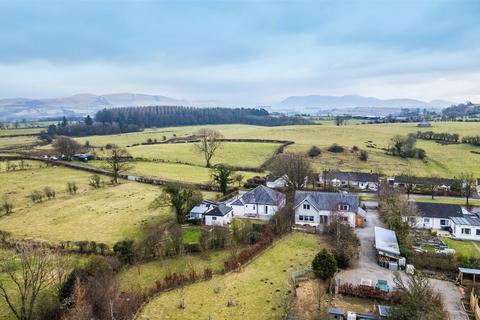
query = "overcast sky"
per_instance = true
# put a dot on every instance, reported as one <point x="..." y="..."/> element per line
<point x="241" y="52"/>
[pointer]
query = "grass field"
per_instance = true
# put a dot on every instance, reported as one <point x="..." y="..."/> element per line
<point x="463" y="247"/>
<point x="258" y="290"/>
<point x="8" y="132"/>
<point x="18" y="142"/>
<point x="243" y="154"/>
<point x="143" y="276"/>
<point x="473" y="203"/>
<point x="105" y="215"/>
<point x="171" y="171"/>
<point x="447" y="161"/>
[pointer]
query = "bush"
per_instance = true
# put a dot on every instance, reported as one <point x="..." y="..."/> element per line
<point x="7" y="206"/>
<point x="95" y="181"/>
<point x="363" y="155"/>
<point x="314" y="152"/>
<point x="49" y="192"/>
<point x="355" y="149"/>
<point x="125" y="251"/>
<point x="36" y="196"/>
<point x="324" y="265"/>
<point x="72" y="187"/>
<point x="342" y="257"/>
<point x="335" y="148"/>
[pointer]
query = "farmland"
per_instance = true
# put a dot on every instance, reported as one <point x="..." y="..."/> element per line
<point x="105" y="215"/>
<point x="17" y="142"/>
<point x="259" y="289"/>
<point x="252" y="154"/>
<point x="442" y="160"/>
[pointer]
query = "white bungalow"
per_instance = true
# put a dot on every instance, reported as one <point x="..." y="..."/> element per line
<point x="220" y="215"/>
<point x="260" y="203"/>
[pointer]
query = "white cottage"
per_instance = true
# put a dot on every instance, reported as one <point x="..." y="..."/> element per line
<point x="436" y="216"/>
<point x="318" y="208"/>
<point x="220" y="215"/>
<point x="260" y="203"/>
<point x="466" y="227"/>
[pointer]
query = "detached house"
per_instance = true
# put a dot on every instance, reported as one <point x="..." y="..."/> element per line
<point x="260" y="203"/>
<point x="357" y="180"/>
<point x="319" y="208"/>
<point x="436" y="216"/>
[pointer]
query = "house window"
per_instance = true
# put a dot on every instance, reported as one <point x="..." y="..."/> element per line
<point x="426" y="220"/>
<point x="343" y="207"/>
<point x="306" y="206"/>
<point x="214" y="218"/>
<point x="253" y="207"/>
<point x="466" y="231"/>
<point x="443" y="222"/>
<point x="311" y="218"/>
<point x="266" y="209"/>
<point x="300" y="218"/>
<point x="478" y="232"/>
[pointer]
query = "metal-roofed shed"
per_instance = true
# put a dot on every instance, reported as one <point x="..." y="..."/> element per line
<point x="387" y="247"/>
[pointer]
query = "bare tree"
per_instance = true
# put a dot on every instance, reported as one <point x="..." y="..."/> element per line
<point x="66" y="146"/>
<point x="118" y="161"/>
<point x="468" y="185"/>
<point x="25" y="276"/>
<point x="295" y="166"/>
<point x="210" y="141"/>
<point x="239" y="179"/>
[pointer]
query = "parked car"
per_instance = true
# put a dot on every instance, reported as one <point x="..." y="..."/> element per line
<point x="383" y="286"/>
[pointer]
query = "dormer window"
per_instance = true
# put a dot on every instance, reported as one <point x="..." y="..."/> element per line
<point x="306" y="206"/>
<point x="343" y="207"/>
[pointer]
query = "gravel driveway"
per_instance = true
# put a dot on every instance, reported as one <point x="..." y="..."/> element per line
<point x="367" y="268"/>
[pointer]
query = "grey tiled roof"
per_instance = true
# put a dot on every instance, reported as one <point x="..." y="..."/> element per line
<point x="439" y="210"/>
<point x="219" y="211"/>
<point x="260" y="195"/>
<point x="327" y="200"/>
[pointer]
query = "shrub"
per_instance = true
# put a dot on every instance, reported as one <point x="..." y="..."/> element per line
<point x="72" y="187"/>
<point x="95" y="181"/>
<point x="355" y="149"/>
<point x="342" y="257"/>
<point x="421" y="153"/>
<point x="125" y="251"/>
<point x="49" y="192"/>
<point x="324" y="265"/>
<point x="36" y="196"/>
<point x="7" y="206"/>
<point x="314" y="152"/>
<point x="363" y="155"/>
<point x="335" y="148"/>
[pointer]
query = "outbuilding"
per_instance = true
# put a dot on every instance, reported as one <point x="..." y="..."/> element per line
<point x="388" y="251"/>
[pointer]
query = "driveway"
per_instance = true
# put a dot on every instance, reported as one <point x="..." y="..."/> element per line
<point x="367" y="268"/>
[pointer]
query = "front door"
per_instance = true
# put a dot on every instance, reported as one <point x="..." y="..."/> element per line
<point x="323" y="219"/>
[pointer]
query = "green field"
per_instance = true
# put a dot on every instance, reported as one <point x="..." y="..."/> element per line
<point x="462" y="202"/>
<point x="447" y="160"/>
<point x="17" y="142"/>
<point x="9" y="132"/>
<point x="105" y="215"/>
<point x="233" y="153"/>
<point x="463" y="247"/>
<point x="144" y="275"/>
<point x="258" y="290"/>
<point x="171" y="171"/>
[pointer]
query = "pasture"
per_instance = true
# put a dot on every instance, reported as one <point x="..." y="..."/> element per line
<point x="17" y="142"/>
<point x="240" y="154"/>
<point x="104" y="215"/>
<point x="442" y="160"/>
<point x="259" y="289"/>
<point x="10" y="132"/>
<point x="171" y="171"/>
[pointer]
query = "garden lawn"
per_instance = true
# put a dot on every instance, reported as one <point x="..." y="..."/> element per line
<point x="242" y="154"/>
<point x="460" y="201"/>
<point x="464" y="247"/>
<point x="445" y="161"/>
<point x="144" y="275"/>
<point x="258" y="291"/>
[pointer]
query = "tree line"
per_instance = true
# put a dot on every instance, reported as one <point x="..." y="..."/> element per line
<point x="438" y="136"/>
<point x="132" y="119"/>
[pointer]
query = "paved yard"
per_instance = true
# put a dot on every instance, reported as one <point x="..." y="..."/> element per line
<point x="367" y="268"/>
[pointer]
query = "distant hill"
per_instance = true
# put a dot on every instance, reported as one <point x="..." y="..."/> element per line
<point x="81" y="105"/>
<point x="307" y="103"/>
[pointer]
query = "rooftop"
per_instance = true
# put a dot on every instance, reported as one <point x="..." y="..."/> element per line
<point x="219" y="211"/>
<point x="439" y="210"/>
<point x="466" y="220"/>
<point x="327" y="200"/>
<point x="260" y="195"/>
<point x="386" y="241"/>
<point x="352" y="176"/>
